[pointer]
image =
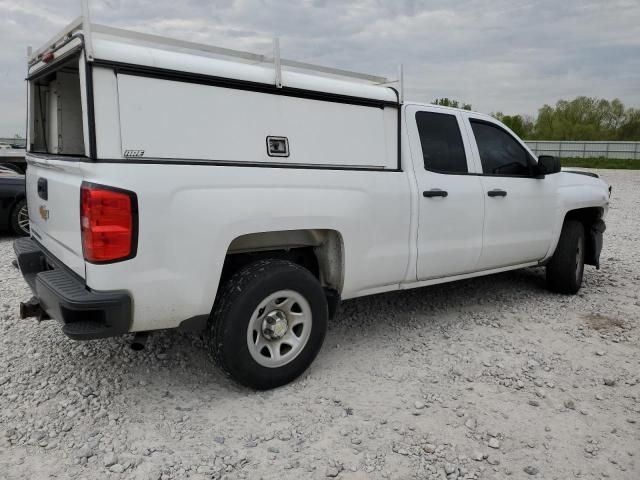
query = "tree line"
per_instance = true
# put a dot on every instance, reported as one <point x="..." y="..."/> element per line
<point x="583" y="118"/>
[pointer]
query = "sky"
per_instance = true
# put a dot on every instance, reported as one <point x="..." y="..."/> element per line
<point x="499" y="55"/>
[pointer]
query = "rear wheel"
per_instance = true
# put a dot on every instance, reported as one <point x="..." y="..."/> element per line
<point x="268" y="323"/>
<point x="566" y="267"/>
<point x="20" y="218"/>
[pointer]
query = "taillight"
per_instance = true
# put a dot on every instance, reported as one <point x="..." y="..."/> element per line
<point x="109" y="223"/>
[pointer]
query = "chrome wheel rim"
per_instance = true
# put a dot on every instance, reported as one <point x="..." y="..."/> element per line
<point x="279" y="328"/>
<point x="23" y="219"/>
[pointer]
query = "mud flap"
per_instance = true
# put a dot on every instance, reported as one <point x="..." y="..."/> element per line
<point x="595" y="243"/>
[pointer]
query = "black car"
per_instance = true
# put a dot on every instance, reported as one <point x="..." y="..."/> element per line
<point x="13" y="203"/>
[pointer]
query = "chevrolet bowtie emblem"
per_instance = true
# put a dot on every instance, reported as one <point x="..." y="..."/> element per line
<point x="44" y="213"/>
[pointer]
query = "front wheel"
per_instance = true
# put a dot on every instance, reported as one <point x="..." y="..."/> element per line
<point x="268" y="323"/>
<point x="566" y="267"/>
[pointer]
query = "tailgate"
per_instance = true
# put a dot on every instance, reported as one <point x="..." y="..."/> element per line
<point x="53" y="196"/>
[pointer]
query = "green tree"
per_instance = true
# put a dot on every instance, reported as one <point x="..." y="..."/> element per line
<point x="521" y="125"/>
<point x="583" y="118"/>
<point x="629" y="129"/>
<point x="447" y="102"/>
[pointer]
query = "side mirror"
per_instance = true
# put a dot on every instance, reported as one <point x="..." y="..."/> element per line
<point x="547" y="165"/>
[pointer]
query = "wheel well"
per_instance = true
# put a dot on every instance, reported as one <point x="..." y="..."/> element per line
<point x="302" y="256"/>
<point x="589" y="217"/>
<point x="318" y="250"/>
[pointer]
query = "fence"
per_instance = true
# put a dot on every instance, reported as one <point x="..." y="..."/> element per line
<point x="18" y="142"/>
<point x="564" y="149"/>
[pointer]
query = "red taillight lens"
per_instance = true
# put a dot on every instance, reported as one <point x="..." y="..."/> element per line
<point x="108" y="219"/>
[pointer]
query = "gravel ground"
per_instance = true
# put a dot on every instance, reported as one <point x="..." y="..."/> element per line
<point x="483" y="379"/>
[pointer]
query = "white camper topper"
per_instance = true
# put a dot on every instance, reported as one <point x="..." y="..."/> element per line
<point x="186" y="104"/>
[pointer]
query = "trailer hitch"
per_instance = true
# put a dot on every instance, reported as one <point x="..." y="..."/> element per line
<point x="32" y="308"/>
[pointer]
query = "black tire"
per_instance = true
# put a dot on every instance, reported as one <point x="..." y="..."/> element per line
<point x="566" y="267"/>
<point x="236" y="303"/>
<point x="16" y="218"/>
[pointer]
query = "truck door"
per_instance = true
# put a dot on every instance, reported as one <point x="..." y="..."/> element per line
<point x="450" y="203"/>
<point x="519" y="208"/>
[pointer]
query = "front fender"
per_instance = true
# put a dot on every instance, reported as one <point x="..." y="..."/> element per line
<point x="578" y="192"/>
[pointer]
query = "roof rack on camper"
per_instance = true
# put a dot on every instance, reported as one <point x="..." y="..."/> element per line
<point x="83" y="24"/>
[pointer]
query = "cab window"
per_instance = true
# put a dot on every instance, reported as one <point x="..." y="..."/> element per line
<point x="500" y="153"/>
<point x="442" y="147"/>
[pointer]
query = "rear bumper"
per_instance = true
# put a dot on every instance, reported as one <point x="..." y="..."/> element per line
<point x="85" y="314"/>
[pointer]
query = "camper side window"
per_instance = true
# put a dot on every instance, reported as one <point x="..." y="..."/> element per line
<point x="55" y="115"/>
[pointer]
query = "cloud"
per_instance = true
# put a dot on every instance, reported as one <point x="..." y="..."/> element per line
<point x="496" y="54"/>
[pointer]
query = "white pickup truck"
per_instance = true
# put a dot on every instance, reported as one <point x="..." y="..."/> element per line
<point x="173" y="185"/>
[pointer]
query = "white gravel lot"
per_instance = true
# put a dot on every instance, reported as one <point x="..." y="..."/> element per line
<point x="489" y="378"/>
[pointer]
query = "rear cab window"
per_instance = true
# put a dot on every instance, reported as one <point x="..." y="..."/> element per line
<point x="500" y="153"/>
<point x="441" y="141"/>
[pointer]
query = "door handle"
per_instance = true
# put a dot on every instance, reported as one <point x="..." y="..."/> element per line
<point x="435" y="192"/>
<point x="497" y="193"/>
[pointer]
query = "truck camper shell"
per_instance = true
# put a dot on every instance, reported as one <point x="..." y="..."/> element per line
<point x="129" y="96"/>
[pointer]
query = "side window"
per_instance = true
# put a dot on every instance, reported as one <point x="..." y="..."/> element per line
<point x="500" y="153"/>
<point x="442" y="147"/>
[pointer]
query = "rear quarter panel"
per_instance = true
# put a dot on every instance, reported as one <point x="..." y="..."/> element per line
<point x="189" y="215"/>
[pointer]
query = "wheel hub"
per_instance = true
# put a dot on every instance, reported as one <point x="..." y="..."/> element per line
<point x="274" y="325"/>
<point x="279" y="328"/>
